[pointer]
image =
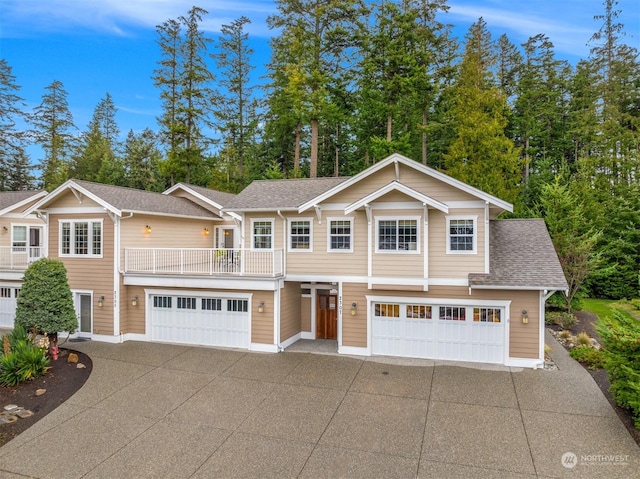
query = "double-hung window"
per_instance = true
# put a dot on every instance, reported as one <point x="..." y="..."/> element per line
<point x="262" y="234"/>
<point x="397" y="235"/>
<point x="300" y="235"/>
<point x="461" y="234"/>
<point x="340" y="235"/>
<point x="81" y="238"/>
<point x="19" y="240"/>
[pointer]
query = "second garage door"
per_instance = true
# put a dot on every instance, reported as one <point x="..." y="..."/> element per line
<point x="459" y="333"/>
<point x="210" y="321"/>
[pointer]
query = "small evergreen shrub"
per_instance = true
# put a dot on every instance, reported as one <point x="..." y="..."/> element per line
<point x="620" y="336"/>
<point x="636" y="303"/>
<point x="561" y="318"/>
<point x="593" y="358"/>
<point x="22" y="361"/>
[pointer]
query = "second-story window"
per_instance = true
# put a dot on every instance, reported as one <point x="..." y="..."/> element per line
<point x="262" y="234"/>
<point x="19" y="241"/>
<point x="340" y="234"/>
<point x="300" y="235"/>
<point x="397" y="235"/>
<point x="81" y="238"/>
<point x="461" y="235"/>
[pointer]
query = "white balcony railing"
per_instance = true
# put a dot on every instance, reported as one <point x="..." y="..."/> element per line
<point x="203" y="261"/>
<point x="18" y="257"/>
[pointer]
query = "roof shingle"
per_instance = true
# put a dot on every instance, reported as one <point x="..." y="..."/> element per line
<point x="521" y="255"/>
<point x="10" y="198"/>
<point x="220" y="197"/>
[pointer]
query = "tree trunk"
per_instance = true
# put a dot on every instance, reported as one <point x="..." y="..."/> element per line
<point x="313" y="167"/>
<point x="296" y="150"/>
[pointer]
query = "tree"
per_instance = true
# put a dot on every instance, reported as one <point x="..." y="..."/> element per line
<point x="11" y="138"/>
<point x="19" y="172"/>
<point x="45" y="303"/>
<point x="53" y="123"/>
<point x="141" y="161"/>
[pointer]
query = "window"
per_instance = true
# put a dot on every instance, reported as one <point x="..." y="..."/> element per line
<point x="397" y="235"/>
<point x="238" y="305"/>
<point x="486" y="315"/>
<point x="211" y="304"/>
<point x="81" y="238"/>
<point x="387" y="310"/>
<point x="461" y="235"/>
<point x="19" y="241"/>
<point x="162" y="301"/>
<point x="262" y="234"/>
<point x="340" y="234"/>
<point x="186" y="303"/>
<point x="418" y="311"/>
<point x="452" y="313"/>
<point x="5" y="292"/>
<point x="300" y="235"/>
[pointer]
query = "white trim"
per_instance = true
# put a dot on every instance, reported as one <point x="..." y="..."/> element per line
<point x="351" y="220"/>
<point x="307" y="335"/>
<point x="486" y="239"/>
<point x="116" y="275"/>
<point x="396" y="186"/>
<point x="273" y="232"/>
<point x="340" y="323"/>
<point x="186" y="189"/>
<point x="449" y="282"/>
<point x="19" y="204"/>
<point x="288" y="342"/>
<point x="76" y="210"/>
<point x="289" y="235"/>
<point x="133" y="337"/>
<point x="425" y="248"/>
<point x="76" y="293"/>
<point x="471" y="302"/>
<point x="276" y="317"/>
<point x="353" y="351"/>
<point x="199" y="294"/>
<point x="263" y="348"/>
<point x="206" y="282"/>
<point x="519" y="288"/>
<point x="217" y="235"/>
<point x="474" y="218"/>
<point x="397" y="219"/>
<point x="72" y="245"/>
<point x="541" y="325"/>
<point x="524" y="363"/>
<point x="465" y="204"/>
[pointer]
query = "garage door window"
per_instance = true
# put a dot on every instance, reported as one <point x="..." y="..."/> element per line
<point x="387" y="310"/>
<point x="211" y="304"/>
<point x="238" y="305"/>
<point x="162" y="301"/>
<point x="486" y="315"/>
<point x="5" y="292"/>
<point x="186" y="303"/>
<point x="452" y="313"/>
<point x="418" y="311"/>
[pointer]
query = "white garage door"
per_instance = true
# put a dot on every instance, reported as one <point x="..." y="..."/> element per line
<point x="8" y="302"/>
<point x="459" y="333"/>
<point x="210" y="321"/>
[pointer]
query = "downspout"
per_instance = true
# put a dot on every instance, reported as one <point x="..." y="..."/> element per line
<point x="277" y="296"/>
<point x="367" y="210"/>
<point x="425" y="251"/>
<point x="486" y="237"/>
<point x="117" y="272"/>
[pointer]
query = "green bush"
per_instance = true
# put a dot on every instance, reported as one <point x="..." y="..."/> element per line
<point x="593" y="358"/>
<point x="635" y="303"/>
<point x="620" y="336"/>
<point x="25" y="361"/>
<point x="561" y="318"/>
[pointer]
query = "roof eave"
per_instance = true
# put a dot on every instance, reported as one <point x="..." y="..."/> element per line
<point x="22" y="203"/>
<point x="68" y="185"/>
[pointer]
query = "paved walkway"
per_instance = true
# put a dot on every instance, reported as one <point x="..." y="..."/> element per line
<point x="168" y="411"/>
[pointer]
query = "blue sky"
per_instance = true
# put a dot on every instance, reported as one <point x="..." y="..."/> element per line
<point x="100" y="46"/>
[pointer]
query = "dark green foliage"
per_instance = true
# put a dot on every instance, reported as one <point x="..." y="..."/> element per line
<point x="620" y="336"/>
<point x="593" y="358"/>
<point x="45" y="302"/>
<point x="563" y="319"/>
<point x="25" y="360"/>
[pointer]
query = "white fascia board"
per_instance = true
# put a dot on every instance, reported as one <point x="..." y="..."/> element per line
<point x="204" y="282"/>
<point x="397" y="186"/>
<point x="19" y="204"/>
<point x="72" y="185"/>
<point x="186" y="189"/>
<point x="520" y="288"/>
<point x="172" y="215"/>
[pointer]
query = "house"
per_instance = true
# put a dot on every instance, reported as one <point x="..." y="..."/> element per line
<point x="22" y="240"/>
<point x="398" y="260"/>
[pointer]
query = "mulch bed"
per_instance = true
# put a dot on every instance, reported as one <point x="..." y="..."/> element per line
<point x="60" y="382"/>
<point x="586" y="323"/>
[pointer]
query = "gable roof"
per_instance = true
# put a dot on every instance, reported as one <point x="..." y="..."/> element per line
<point x="263" y="195"/>
<point x="400" y="159"/>
<point x="119" y="199"/>
<point x="11" y="200"/>
<point x="217" y="198"/>
<point x="521" y="255"/>
<point x="397" y="186"/>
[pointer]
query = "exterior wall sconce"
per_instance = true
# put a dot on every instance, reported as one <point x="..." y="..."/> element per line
<point x="147" y="229"/>
<point x="205" y="231"/>
<point x="101" y="301"/>
<point x="525" y="317"/>
<point x="134" y="300"/>
<point x="261" y="307"/>
<point x="354" y="307"/>
<point x="4" y="228"/>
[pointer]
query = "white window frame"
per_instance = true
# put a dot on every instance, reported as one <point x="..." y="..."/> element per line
<point x="72" y="244"/>
<point x="475" y="234"/>
<point x="290" y="235"/>
<point x="26" y="239"/>
<point x="397" y="219"/>
<point x="350" y="219"/>
<point x="253" y="238"/>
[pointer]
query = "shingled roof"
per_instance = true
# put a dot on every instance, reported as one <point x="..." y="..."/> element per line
<point x="129" y="199"/>
<point x="281" y="194"/>
<point x="220" y="197"/>
<point x="12" y="198"/>
<point x="521" y="255"/>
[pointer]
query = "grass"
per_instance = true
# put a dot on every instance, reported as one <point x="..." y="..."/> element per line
<point x="605" y="307"/>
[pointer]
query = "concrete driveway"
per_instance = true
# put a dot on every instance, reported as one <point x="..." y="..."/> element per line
<point x="168" y="411"/>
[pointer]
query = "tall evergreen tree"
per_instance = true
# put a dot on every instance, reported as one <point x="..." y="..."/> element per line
<point x="11" y="112"/>
<point x="53" y="125"/>
<point x="141" y="161"/>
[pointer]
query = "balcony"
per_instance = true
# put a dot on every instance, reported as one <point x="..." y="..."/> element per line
<point x="204" y="261"/>
<point x="17" y="258"/>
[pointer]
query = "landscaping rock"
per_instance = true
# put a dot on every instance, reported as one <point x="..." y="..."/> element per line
<point x="40" y="392"/>
<point x="80" y="366"/>
<point x="72" y="358"/>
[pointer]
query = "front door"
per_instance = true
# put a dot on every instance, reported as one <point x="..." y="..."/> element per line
<point x="327" y="316"/>
<point x="226" y="237"/>
<point x="35" y="243"/>
<point x="84" y="312"/>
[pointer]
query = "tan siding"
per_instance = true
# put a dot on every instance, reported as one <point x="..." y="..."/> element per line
<point x="5" y="236"/>
<point x="289" y="310"/>
<point x="92" y="274"/>
<point x="354" y="328"/>
<point x="398" y="264"/>
<point x="165" y="232"/>
<point x="68" y="200"/>
<point x="132" y="318"/>
<point x="262" y="323"/>
<point x="305" y="314"/>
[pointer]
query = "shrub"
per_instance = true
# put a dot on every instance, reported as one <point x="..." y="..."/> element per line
<point x="564" y="334"/>
<point x="620" y="336"/>
<point x="593" y="358"/>
<point x="635" y="303"/>
<point x="25" y="361"/>
<point x="583" y="339"/>
<point x="561" y="318"/>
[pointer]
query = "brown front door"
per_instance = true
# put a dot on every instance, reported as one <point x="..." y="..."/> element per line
<point x="327" y="317"/>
